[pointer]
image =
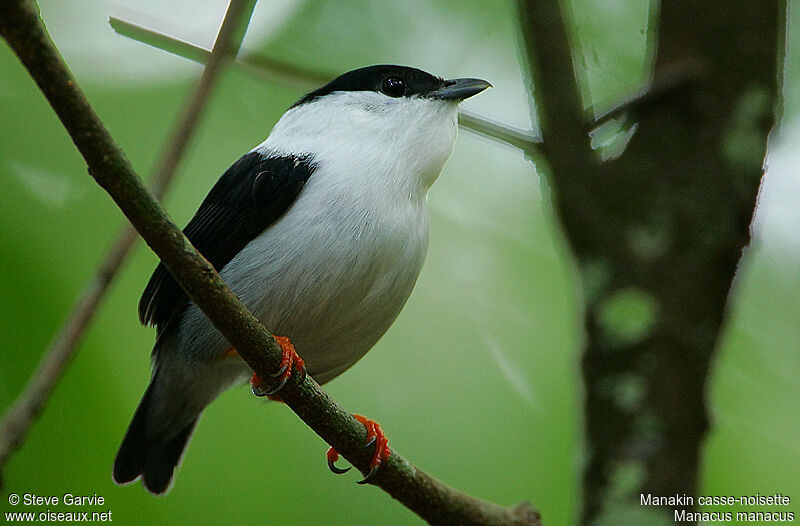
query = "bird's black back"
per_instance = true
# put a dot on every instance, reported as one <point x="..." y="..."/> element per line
<point x="250" y="196"/>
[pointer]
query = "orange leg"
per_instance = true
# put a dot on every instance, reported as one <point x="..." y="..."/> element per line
<point x="273" y="397"/>
<point x="375" y="435"/>
<point x="290" y="361"/>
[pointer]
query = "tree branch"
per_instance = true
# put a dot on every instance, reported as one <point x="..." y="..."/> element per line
<point x="561" y="115"/>
<point x="665" y="81"/>
<point x="430" y="499"/>
<point x="19" y="417"/>
<point x="272" y="70"/>
<point x="567" y="145"/>
<point x="296" y="76"/>
<point x="269" y="69"/>
<point x="229" y="40"/>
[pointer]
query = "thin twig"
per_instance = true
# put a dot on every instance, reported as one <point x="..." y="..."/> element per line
<point x="523" y="140"/>
<point x="432" y="500"/>
<point x="666" y="80"/>
<point x="302" y="78"/>
<point x="18" y="419"/>
<point x="229" y="40"/>
<point x="274" y="70"/>
<point x="549" y="58"/>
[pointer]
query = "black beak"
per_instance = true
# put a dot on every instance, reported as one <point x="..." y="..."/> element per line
<point x="459" y="89"/>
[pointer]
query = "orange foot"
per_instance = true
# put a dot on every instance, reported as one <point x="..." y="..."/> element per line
<point x="289" y="361"/>
<point x="375" y="436"/>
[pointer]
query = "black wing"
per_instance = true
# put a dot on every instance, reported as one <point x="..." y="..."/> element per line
<point x="251" y="195"/>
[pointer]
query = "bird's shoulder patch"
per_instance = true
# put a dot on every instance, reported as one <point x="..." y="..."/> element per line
<point x="249" y="197"/>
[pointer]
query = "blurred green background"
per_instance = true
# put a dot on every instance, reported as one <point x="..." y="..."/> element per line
<point x="477" y="382"/>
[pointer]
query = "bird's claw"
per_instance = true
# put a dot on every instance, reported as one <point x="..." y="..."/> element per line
<point x="290" y="361"/>
<point x="370" y="475"/>
<point x="256" y="385"/>
<point x="375" y="436"/>
<point x="280" y="371"/>
<point x="278" y="387"/>
<point x="333" y="456"/>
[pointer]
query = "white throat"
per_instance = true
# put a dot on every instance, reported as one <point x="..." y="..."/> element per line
<point x="371" y="140"/>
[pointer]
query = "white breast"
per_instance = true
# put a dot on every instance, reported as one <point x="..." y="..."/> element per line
<point x="333" y="278"/>
<point x="334" y="272"/>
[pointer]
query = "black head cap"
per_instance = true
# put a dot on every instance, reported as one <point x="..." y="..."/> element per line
<point x="394" y="81"/>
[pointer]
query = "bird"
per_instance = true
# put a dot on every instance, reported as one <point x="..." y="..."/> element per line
<point x="321" y="230"/>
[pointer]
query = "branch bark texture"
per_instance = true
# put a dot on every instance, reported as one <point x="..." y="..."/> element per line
<point x="18" y="419"/>
<point x="662" y="227"/>
<point x="430" y="499"/>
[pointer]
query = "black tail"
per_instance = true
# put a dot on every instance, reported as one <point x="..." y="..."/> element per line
<point x="152" y="457"/>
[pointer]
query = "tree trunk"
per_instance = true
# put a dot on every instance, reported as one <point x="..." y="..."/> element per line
<point x="658" y="232"/>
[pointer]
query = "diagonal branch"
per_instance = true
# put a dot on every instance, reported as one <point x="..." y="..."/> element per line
<point x="432" y="500"/>
<point x="229" y="40"/>
<point x="666" y="81"/>
<point x="561" y="116"/>
<point x="19" y="418"/>
<point x="567" y="145"/>
<point x="522" y="140"/>
<point x="296" y="76"/>
<point x="273" y="70"/>
<point x="269" y="69"/>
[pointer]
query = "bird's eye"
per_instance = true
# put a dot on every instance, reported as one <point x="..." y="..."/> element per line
<point x="393" y="87"/>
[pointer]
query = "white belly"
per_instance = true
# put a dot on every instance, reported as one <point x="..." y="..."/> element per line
<point x="332" y="278"/>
